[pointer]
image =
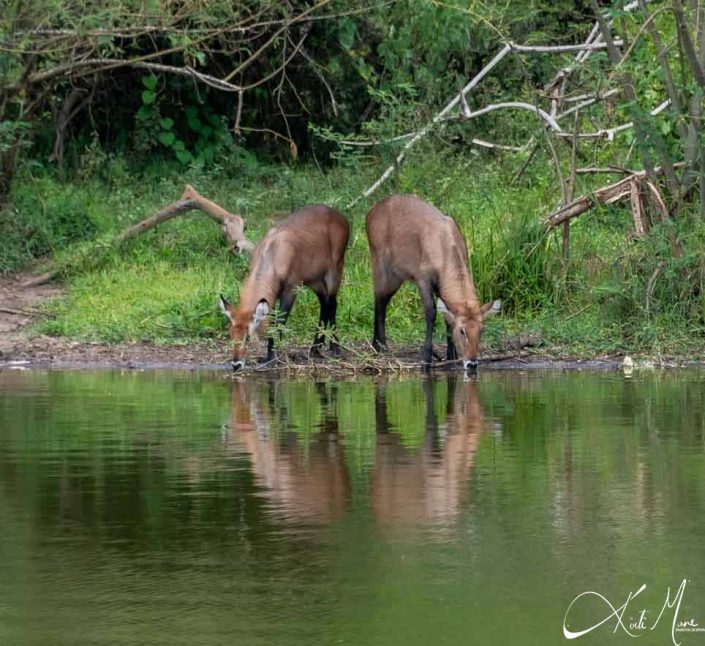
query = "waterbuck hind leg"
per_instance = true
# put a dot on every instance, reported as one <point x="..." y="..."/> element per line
<point x="332" y="312"/>
<point x="319" y="339"/>
<point x="379" y="338"/>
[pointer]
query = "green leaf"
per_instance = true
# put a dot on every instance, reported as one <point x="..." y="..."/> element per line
<point x="195" y="124"/>
<point x="179" y="146"/>
<point x="148" y="97"/>
<point x="190" y="111"/>
<point x="145" y="112"/>
<point x="167" y="138"/>
<point x="149" y="81"/>
<point x="346" y="33"/>
<point x="201" y="57"/>
<point x="166" y="123"/>
<point x="208" y="153"/>
<point x="184" y="156"/>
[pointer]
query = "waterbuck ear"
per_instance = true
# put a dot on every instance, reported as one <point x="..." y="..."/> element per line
<point x="261" y="312"/>
<point x="490" y="309"/>
<point x="447" y="314"/>
<point x="225" y="307"/>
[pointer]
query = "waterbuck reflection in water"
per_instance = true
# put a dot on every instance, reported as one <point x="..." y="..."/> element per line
<point x="405" y="449"/>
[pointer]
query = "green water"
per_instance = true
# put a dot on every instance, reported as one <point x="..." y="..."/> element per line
<point x="176" y="508"/>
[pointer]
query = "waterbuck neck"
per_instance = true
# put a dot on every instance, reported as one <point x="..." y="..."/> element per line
<point x="457" y="291"/>
<point x="257" y="287"/>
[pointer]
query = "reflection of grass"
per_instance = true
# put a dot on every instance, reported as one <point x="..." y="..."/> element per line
<point x="356" y="425"/>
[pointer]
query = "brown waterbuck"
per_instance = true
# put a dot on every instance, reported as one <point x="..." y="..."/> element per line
<point x="412" y="240"/>
<point x="306" y="248"/>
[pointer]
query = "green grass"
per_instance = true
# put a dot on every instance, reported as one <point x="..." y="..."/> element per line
<point x="163" y="286"/>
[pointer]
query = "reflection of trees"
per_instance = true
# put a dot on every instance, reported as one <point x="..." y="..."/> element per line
<point x="420" y="466"/>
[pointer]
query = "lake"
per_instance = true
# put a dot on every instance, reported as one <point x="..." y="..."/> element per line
<point x="197" y="508"/>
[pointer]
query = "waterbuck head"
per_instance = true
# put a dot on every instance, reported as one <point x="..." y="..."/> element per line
<point x="467" y="330"/>
<point x="244" y="324"/>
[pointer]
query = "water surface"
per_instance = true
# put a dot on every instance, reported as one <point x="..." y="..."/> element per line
<point x="177" y="508"/>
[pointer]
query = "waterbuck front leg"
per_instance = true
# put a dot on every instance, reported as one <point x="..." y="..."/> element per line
<point x="451" y="352"/>
<point x="329" y="308"/>
<point x="429" y="308"/>
<point x="286" y="302"/>
<point x="323" y="319"/>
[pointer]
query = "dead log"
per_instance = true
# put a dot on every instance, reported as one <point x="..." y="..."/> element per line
<point x="605" y="195"/>
<point x="233" y="227"/>
<point x="637" y="187"/>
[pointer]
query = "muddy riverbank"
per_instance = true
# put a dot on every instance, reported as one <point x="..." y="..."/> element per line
<point x="21" y="346"/>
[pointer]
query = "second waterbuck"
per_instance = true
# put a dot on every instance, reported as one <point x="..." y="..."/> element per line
<point x="306" y="248"/>
<point x="412" y="240"/>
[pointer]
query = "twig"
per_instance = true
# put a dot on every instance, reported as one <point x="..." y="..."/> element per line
<point x="578" y="313"/>
<point x="14" y="312"/>
<point x="650" y="288"/>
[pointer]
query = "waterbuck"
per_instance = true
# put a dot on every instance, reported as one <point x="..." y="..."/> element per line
<point x="412" y="240"/>
<point x="306" y="248"/>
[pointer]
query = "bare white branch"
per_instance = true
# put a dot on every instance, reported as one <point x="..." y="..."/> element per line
<point x="439" y="117"/>
<point x="520" y="105"/>
<point x="554" y="49"/>
<point x="609" y="133"/>
<point x="488" y="144"/>
<point x="594" y="99"/>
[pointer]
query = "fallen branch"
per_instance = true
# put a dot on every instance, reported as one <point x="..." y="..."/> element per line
<point x="628" y="171"/>
<point x="505" y="356"/>
<point x="233" y="227"/>
<point x="628" y="187"/>
<point x="605" y="195"/>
